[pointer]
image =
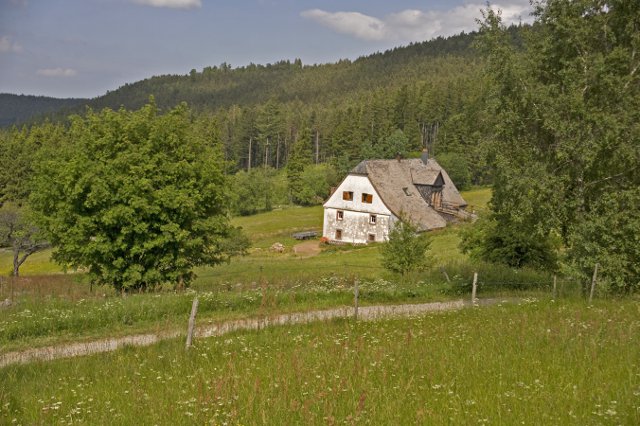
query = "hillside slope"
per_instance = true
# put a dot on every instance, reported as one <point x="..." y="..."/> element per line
<point x="16" y="109"/>
<point x="286" y="81"/>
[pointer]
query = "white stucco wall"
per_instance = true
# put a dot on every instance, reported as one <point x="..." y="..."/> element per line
<point x="355" y="224"/>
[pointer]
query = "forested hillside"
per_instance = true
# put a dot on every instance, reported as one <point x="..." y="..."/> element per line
<point x="22" y="108"/>
<point x="286" y="81"/>
<point x="424" y="94"/>
<point x="288" y="131"/>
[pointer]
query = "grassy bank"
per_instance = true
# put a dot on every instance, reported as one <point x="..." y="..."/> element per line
<point x="540" y="363"/>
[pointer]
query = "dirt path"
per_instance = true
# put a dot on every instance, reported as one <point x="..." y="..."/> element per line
<point x="108" y="345"/>
<point x="307" y="249"/>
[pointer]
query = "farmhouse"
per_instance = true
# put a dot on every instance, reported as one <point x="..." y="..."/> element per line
<point x="376" y="193"/>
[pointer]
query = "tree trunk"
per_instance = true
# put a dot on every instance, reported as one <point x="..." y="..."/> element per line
<point x="317" y="146"/>
<point x="16" y="263"/>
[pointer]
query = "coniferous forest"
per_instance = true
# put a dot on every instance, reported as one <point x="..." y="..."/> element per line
<point x="424" y="94"/>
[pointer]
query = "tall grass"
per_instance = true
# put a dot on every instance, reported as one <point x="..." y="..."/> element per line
<point x="53" y="308"/>
<point x="32" y="323"/>
<point x="70" y="311"/>
<point x="540" y="363"/>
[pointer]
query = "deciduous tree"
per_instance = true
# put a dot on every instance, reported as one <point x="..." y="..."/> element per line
<point x="566" y="108"/>
<point x="137" y="198"/>
<point x="18" y="232"/>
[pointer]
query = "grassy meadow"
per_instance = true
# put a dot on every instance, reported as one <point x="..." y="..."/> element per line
<point x="541" y="362"/>
<point x="56" y="308"/>
<point x="51" y="307"/>
<point x="268" y="228"/>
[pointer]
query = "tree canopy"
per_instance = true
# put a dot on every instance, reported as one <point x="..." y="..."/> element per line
<point x="137" y="198"/>
<point x="566" y="124"/>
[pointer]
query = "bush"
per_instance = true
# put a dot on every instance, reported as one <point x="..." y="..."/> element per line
<point x="406" y="250"/>
<point x="508" y="245"/>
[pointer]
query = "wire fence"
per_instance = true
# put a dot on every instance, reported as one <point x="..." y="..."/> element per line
<point x="456" y="279"/>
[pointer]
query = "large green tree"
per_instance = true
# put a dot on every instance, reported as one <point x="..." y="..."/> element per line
<point x="18" y="148"/>
<point x="566" y="132"/>
<point x="137" y="198"/>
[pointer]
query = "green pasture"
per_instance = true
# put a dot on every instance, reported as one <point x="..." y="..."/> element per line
<point x="55" y="308"/>
<point x="278" y="225"/>
<point x="37" y="264"/>
<point x="541" y="362"/>
<point x="264" y="230"/>
<point x="477" y="199"/>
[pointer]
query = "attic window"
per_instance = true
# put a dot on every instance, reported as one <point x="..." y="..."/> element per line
<point x="347" y="195"/>
<point x="367" y="198"/>
<point x="339" y="215"/>
<point x="406" y="191"/>
<point x="372" y="219"/>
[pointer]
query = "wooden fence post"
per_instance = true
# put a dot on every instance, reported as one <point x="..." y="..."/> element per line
<point x="593" y="282"/>
<point x="356" y="294"/>
<point x="192" y="321"/>
<point x="555" y="287"/>
<point x="445" y="274"/>
<point x="474" y="288"/>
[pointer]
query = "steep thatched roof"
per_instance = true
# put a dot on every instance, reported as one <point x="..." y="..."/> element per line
<point x="396" y="180"/>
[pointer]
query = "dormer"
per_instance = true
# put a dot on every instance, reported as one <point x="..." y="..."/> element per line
<point x="424" y="176"/>
<point x="429" y="183"/>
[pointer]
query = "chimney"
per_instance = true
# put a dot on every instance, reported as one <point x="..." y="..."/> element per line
<point x="424" y="156"/>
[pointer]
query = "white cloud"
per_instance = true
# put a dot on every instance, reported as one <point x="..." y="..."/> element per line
<point x="353" y="23"/>
<point x="174" y="4"/>
<point x="57" y="72"/>
<point x="6" y="45"/>
<point x="415" y="25"/>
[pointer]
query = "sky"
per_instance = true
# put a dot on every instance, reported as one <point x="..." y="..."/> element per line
<point x="83" y="48"/>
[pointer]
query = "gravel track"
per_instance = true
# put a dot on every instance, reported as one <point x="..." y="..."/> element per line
<point x="108" y="345"/>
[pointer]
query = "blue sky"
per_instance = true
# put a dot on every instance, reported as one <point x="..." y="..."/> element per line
<point x="82" y="48"/>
